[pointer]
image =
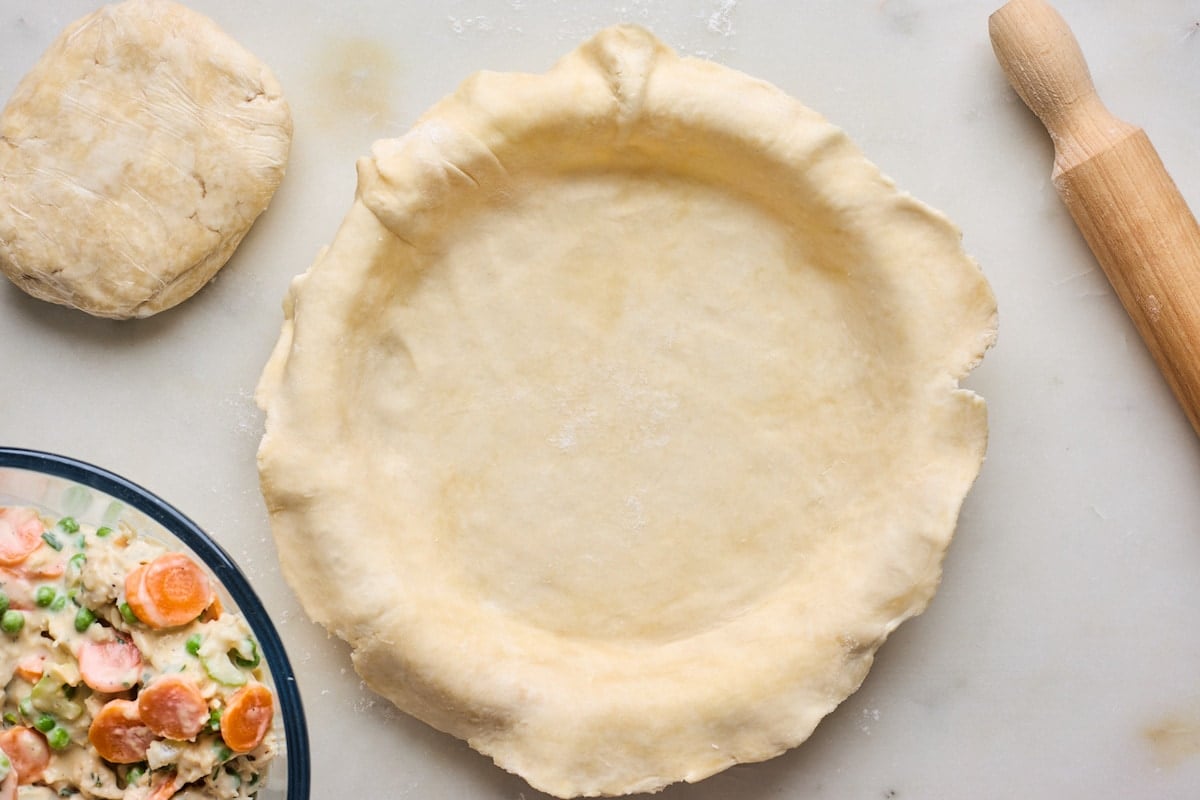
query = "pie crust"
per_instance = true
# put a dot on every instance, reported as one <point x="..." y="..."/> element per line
<point x="620" y="423"/>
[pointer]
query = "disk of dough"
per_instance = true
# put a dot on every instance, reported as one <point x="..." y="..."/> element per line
<point x="620" y="423"/>
<point x="134" y="157"/>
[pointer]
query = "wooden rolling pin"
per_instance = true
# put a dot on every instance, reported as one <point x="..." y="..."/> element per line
<point x="1116" y="188"/>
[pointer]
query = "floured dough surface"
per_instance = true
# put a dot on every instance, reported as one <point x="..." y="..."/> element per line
<point x="619" y="425"/>
<point x="134" y="157"/>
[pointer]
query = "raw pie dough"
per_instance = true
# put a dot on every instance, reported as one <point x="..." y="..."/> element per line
<point x="620" y="423"/>
<point x="134" y="157"/>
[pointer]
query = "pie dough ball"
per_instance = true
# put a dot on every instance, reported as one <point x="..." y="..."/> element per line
<point x="134" y="157"/>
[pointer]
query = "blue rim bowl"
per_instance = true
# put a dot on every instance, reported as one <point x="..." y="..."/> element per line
<point x="82" y="487"/>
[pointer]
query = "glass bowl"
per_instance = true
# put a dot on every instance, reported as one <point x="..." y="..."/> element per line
<point x="62" y="486"/>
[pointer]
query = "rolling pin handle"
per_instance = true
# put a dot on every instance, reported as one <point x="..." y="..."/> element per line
<point x="1044" y="63"/>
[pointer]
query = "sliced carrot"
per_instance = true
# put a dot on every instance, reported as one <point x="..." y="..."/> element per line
<point x="118" y="733"/>
<point x="20" y="534"/>
<point x="31" y="667"/>
<point x="171" y="590"/>
<point x="165" y="788"/>
<point x="247" y="717"/>
<point x="111" y="666"/>
<point x="172" y="706"/>
<point x="28" y="752"/>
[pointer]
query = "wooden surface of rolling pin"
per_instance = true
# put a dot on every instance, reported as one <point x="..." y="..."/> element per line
<point x="1115" y="185"/>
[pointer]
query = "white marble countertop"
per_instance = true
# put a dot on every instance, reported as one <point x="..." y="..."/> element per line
<point x="1059" y="658"/>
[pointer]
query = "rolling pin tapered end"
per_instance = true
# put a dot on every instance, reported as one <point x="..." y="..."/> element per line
<point x="1118" y="192"/>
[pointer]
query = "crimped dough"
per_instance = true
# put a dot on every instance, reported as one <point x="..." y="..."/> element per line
<point x="620" y="424"/>
<point x="134" y="157"/>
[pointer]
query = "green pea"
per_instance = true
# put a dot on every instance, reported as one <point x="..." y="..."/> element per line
<point x="69" y="524"/>
<point x="58" y="738"/>
<point x="214" y="720"/>
<point x="59" y="602"/>
<point x="45" y="723"/>
<point x="103" y="531"/>
<point x="127" y="614"/>
<point x="3" y="601"/>
<point x="12" y="621"/>
<point x="192" y="645"/>
<point x="45" y="595"/>
<point x="84" y="618"/>
<point x="25" y="706"/>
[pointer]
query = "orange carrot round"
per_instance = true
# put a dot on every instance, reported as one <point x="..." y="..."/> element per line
<point x="28" y="752"/>
<point x="118" y="733"/>
<point x="171" y="590"/>
<point x="20" y="534"/>
<point x="111" y="666"/>
<point x="172" y="706"/>
<point x="31" y="667"/>
<point x="247" y="717"/>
